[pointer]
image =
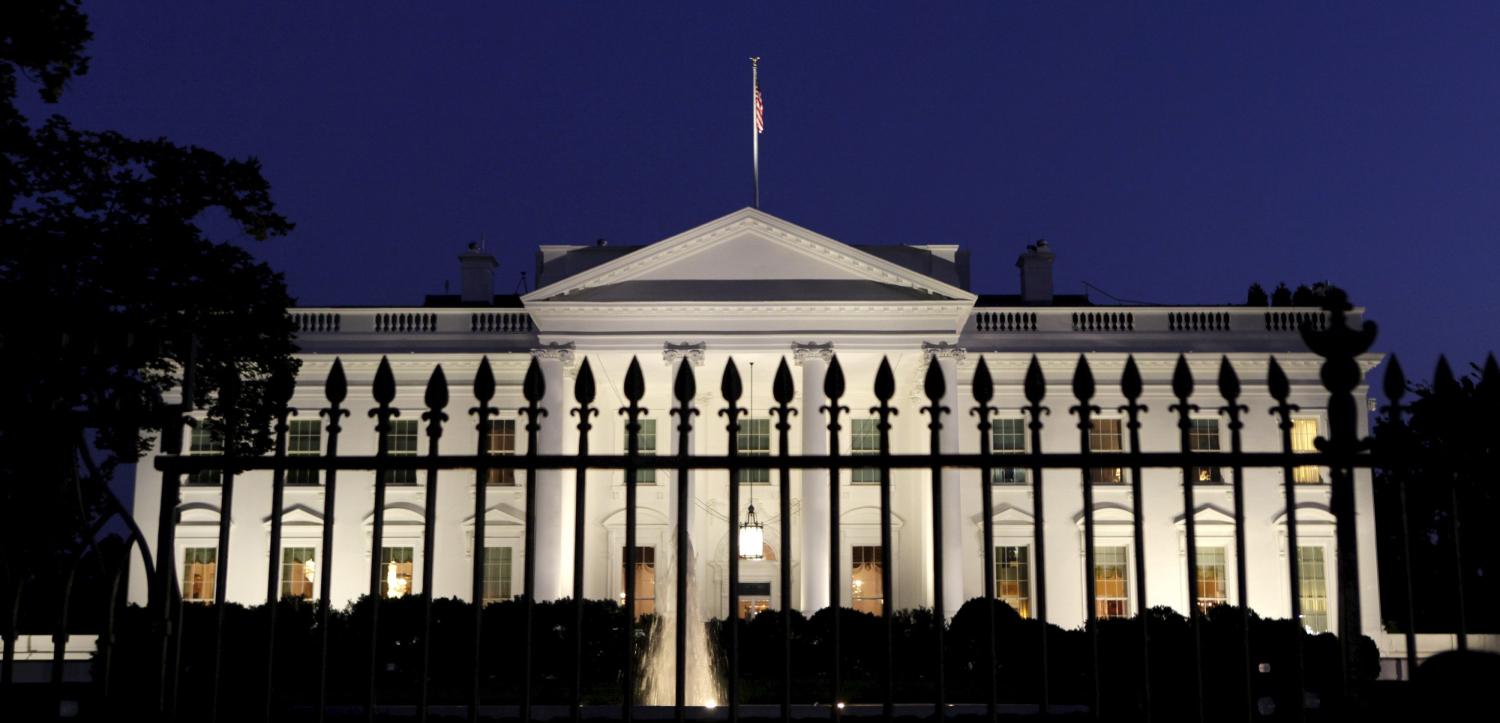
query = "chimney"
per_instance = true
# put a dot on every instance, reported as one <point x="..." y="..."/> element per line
<point x="1036" y="273"/>
<point x="476" y="270"/>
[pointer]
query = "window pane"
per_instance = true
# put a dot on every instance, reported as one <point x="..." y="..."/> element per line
<point x="1304" y="431"/>
<point x="864" y="440"/>
<point x="1312" y="577"/>
<point x="497" y="574"/>
<point x="401" y="441"/>
<point x="1013" y="578"/>
<point x="1213" y="578"/>
<point x="647" y="447"/>
<point x="866" y="582"/>
<point x="755" y="441"/>
<point x="1008" y="436"/>
<point x="298" y="573"/>
<point x="501" y="443"/>
<point x="205" y="441"/>
<point x="199" y="566"/>
<point x="1203" y="436"/>
<point x="398" y="571"/>
<point x="1105" y="436"/>
<point x="645" y="580"/>
<point x="304" y="439"/>
<point x="1111" y="586"/>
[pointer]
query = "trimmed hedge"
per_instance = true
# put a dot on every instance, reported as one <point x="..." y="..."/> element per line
<point x="298" y="640"/>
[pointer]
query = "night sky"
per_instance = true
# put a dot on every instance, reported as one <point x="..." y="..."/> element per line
<point x="1169" y="152"/>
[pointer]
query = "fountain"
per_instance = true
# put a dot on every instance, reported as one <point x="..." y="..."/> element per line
<point x="660" y="668"/>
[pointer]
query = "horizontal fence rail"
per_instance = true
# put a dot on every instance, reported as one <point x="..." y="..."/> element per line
<point x="1340" y="451"/>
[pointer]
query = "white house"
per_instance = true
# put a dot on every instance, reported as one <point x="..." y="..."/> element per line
<point x="759" y="288"/>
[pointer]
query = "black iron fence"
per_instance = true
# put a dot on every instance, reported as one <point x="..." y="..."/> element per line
<point x="1341" y="451"/>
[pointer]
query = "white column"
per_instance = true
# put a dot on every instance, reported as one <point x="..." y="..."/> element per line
<point x="813" y="358"/>
<point x="554" y="568"/>
<point x="948" y="357"/>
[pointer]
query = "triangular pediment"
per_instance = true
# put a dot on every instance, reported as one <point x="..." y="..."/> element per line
<point x="748" y="257"/>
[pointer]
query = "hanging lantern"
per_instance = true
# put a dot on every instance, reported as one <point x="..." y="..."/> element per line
<point x="752" y="537"/>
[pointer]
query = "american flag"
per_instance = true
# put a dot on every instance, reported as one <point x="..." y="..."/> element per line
<point x="760" y="111"/>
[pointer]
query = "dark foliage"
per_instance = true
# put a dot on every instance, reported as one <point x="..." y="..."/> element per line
<point x="1274" y="643"/>
<point x="113" y="283"/>
<point x="1257" y="296"/>
<point x="1447" y="448"/>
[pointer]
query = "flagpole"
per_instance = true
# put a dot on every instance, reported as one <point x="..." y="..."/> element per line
<point x="754" y="130"/>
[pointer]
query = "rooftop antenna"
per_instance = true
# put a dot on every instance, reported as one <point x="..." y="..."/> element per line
<point x="521" y="286"/>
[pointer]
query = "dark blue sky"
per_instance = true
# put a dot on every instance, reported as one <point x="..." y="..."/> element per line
<point x="1170" y="152"/>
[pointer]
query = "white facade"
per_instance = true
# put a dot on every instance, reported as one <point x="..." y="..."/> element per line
<point x="760" y="289"/>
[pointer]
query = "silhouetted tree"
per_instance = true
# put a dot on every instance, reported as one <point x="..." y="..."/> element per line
<point x="1446" y="450"/>
<point x="1257" y="296"/>
<point x="109" y="279"/>
<point x="1282" y="296"/>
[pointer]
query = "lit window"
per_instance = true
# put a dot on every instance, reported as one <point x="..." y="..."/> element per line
<point x="646" y="447"/>
<point x="199" y="566"/>
<point x="1013" y="578"/>
<point x="1312" y="577"/>
<point x="396" y="582"/>
<point x="304" y="439"/>
<point x="501" y="443"/>
<point x="755" y="598"/>
<point x="401" y="441"/>
<point x="645" y="580"/>
<point x="1203" y="436"/>
<point x="1213" y="578"/>
<point x="299" y="572"/>
<point x="1304" y="431"/>
<point x="1111" y="583"/>
<point x="867" y="584"/>
<point x="205" y="441"/>
<point x="864" y="440"/>
<point x="1105" y="436"/>
<point x="1008" y="436"/>
<point x="497" y="574"/>
<point x="755" y="441"/>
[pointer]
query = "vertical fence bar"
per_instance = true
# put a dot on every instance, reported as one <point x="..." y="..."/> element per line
<point x="833" y="388"/>
<point x="983" y="391"/>
<point x="583" y="393"/>
<point x="783" y="390"/>
<point x="533" y="388"/>
<point x="731" y="390"/>
<point x="166" y="534"/>
<point x="1035" y="387"/>
<point x="684" y="388"/>
<point x="12" y="612"/>
<point x="335" y="390"/>
<point x="934" y="386"/>
<point x="1182" y="388"/>
<point x="885" y="388"/>
<point x="1395" y="389"/>
<point x="1280" y="390"/>
<point x="384" y="391"/>
<point x="282" y="393"/>
<point x="1083" y="389"/>
<point x="1132" y="387"/>
<point x="229" y="397"/>
<point x="1340" y="347"/>
<point x="437" y="399"/>
<point x="60" y="634"/>
<point x="484" y="391"/>
<point x="1446" y="392"/>
<point x="1229" y="388"/>
<point x="635" y="388"/>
